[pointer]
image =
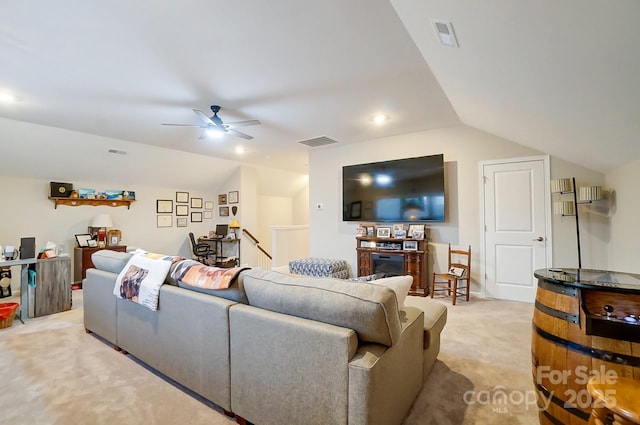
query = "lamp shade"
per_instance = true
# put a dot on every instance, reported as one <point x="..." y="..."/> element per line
<point x="102" y="220"/>
<point x="234" y="224"/>
<point x="590" y="193"/>
<point x="564" y="208"/>
<point x="561" y="186"/>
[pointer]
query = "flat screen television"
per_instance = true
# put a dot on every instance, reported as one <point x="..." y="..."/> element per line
<point x="402" y="190"/>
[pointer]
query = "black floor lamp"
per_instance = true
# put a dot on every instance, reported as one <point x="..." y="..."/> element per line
<point x="588" y="194"/>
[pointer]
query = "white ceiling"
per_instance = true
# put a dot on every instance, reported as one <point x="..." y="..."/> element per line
<point x="561" y="77"/>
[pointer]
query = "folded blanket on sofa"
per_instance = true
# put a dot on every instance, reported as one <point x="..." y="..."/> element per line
<point x="141" y="278"/>
<point x="198" y="275"/>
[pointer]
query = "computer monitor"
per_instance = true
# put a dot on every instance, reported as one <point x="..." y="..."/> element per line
<point x="222" y="230"/>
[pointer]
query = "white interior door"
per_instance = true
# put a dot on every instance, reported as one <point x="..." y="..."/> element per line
<point x="517" y="226"/>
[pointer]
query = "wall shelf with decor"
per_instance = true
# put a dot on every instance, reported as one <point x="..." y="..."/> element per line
<point x="76" y="202"/>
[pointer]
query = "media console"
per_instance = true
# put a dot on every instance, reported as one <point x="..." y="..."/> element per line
<point x="392" y="257"/>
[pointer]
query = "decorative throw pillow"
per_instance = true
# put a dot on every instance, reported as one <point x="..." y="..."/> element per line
<point x="399" y="284"/>
<point x="141" y="278"/>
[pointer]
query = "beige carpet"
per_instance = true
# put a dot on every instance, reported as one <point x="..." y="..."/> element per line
<point x="54" y="373"/>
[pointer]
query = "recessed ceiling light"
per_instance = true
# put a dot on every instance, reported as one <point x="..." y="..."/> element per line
<point x="379" y="119"/>
<point x="7" y="97"/>
<point x="240" y="150"/>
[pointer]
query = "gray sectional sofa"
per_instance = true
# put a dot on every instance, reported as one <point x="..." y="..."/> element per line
<point x="275" y="348"/>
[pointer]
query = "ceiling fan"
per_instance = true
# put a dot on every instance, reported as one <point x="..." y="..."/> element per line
<point x="214" y="124"/>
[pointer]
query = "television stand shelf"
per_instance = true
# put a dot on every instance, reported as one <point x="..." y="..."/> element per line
<point x="389" y="256"/>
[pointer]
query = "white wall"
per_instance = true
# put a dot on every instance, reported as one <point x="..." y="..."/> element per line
<point x="463" y="148"/>
<point x="274" y="211"/>
<point x="625" y="231"/>
<point x="301" y="206"/>
<point x="289" y="243"/>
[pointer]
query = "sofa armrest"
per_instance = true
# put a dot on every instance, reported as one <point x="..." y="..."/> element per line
<point x="384" y="382"/>
<point x="99" y="304"/>
<point x="435" y="317"/>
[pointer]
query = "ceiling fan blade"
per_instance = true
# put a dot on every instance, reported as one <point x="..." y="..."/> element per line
<point x="187" y="125"/>
<point x="239" y="134"/>
<point x="204" y="117"/>
<point x="236" y="124"/>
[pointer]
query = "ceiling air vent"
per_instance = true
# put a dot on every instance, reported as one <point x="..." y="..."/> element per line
<point x="445" y="33"/>
<point x="117" y="151"/>
<point x="318" y="141"/>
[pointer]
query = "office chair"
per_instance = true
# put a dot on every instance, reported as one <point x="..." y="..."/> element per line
<point x="201" y="250"/>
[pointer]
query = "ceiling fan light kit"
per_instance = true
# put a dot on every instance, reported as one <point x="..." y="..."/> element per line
<point x="214" y="126"/>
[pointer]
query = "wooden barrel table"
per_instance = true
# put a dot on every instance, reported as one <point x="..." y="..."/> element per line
<point x="585" y="323"/>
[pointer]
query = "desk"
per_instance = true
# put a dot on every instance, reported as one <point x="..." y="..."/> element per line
<point x="24" y="284"/>
<point x="225" y="248"/>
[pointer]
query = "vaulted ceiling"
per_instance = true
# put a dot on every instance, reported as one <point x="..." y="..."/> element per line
<point x="561" y="77"/>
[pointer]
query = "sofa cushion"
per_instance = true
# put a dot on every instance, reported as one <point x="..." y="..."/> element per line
<point x="435" y="316"/>
<point x="110" y="261"/>
<point x="370" y="310"/>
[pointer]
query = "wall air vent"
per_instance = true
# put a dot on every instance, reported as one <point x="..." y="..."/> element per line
<point x="117" y="151"/>
<point x="318" y="141"/>
<point x="444" y="31"/>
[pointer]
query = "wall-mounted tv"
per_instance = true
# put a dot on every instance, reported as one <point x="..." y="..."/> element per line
<point x="402" y="190"/>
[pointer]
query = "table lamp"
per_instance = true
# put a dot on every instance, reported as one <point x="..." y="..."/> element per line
<point x="102" y="222"/>
<point x="233" y="226"/>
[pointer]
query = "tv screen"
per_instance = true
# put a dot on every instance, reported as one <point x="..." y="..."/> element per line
<point x="402" y="190"/>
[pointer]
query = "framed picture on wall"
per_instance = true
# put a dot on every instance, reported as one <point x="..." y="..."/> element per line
<point x="208" y="205"/>
<point x="182" y="210"/>
<point x="182" y="197"/>
<point x="181" y="222"/>
<point x="196" y="217"/>
<point x="208" y="214"/>
<point x="222" y="199"/>
<point x="164" y="220"/>
<point x="196" y="202"/>
<point x="224" y="211"/>
<point x="164" y="206"/>
<point x="233" y="197"/>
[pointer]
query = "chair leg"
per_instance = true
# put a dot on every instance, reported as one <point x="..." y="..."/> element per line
<point x="468" y="285"/>
<point x="433" y="284"/>
<point x="455" y="291"/>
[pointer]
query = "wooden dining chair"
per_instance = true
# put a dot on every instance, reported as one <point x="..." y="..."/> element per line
<point x="457" y="280"/>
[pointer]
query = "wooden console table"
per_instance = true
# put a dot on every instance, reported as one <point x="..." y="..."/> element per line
<point x="392" y="257"/>
<point x="82" y="262"/>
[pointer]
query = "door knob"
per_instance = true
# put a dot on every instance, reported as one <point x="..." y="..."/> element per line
<point x="538" y="239"/>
